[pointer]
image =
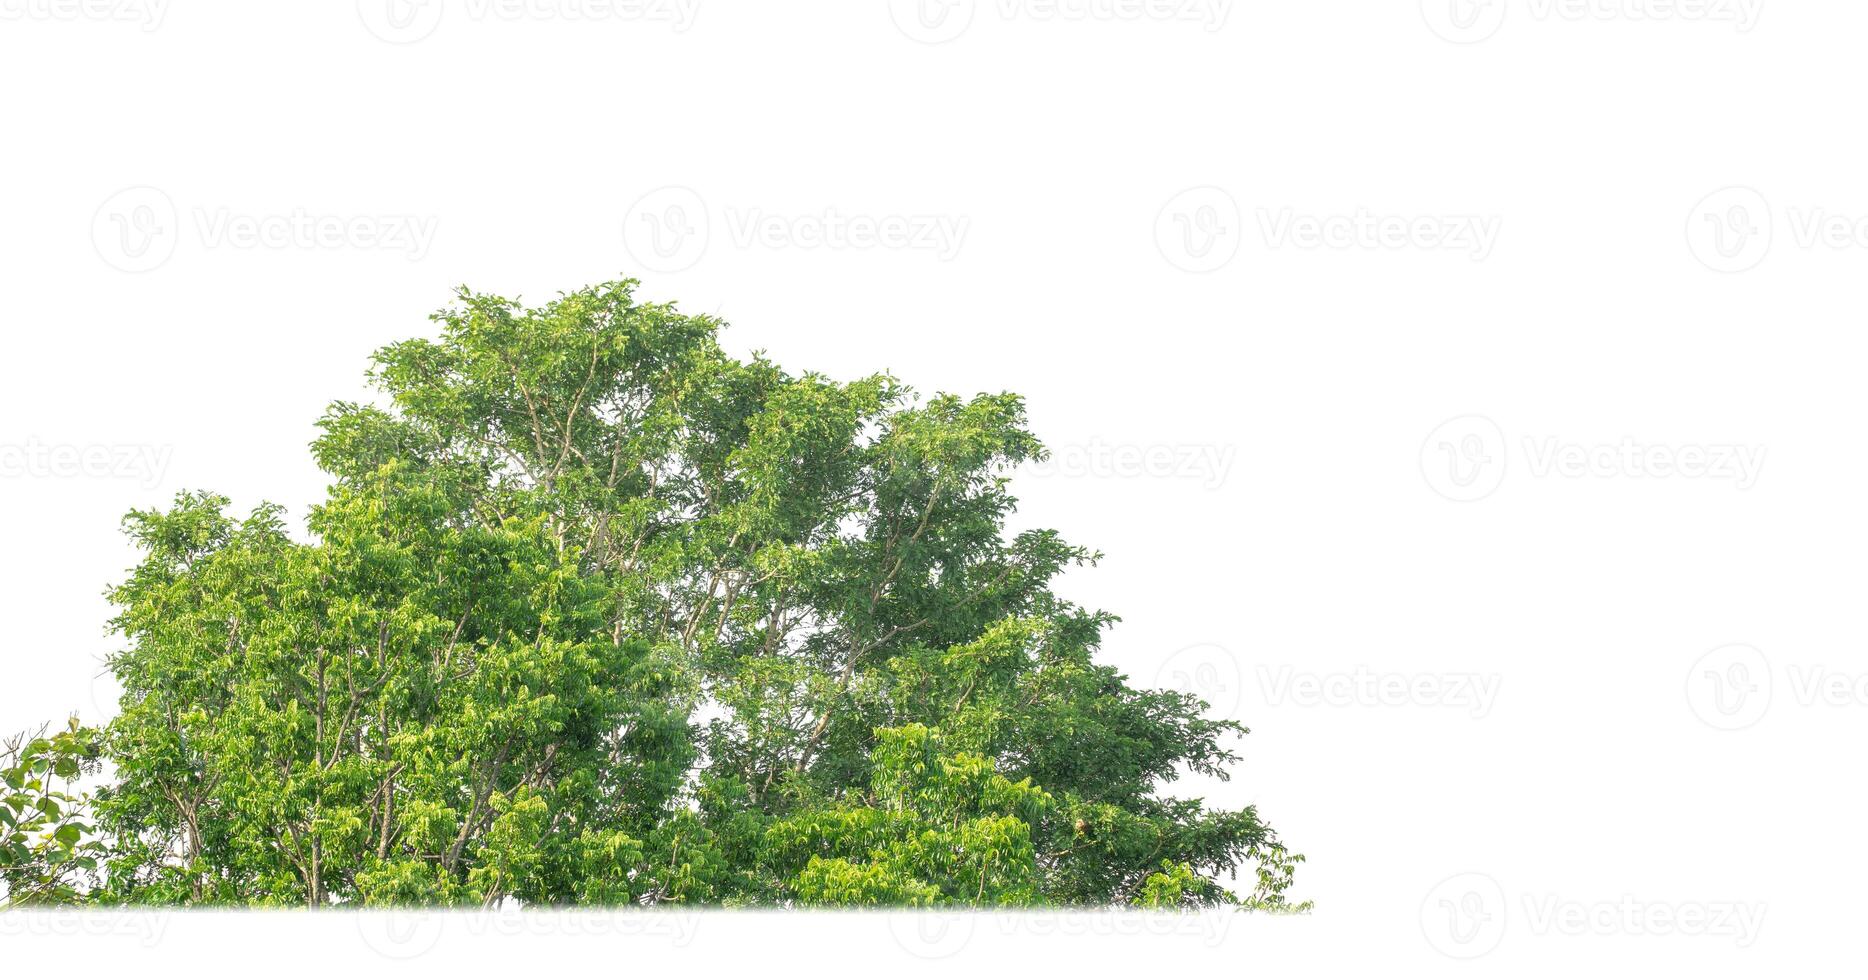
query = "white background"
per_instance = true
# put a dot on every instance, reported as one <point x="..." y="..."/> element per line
<point x="1674" y="270"/>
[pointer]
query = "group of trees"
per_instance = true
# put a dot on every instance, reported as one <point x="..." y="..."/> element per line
<point x="595" y="613"/>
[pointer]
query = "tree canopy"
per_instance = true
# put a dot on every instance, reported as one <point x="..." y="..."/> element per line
<point x="596" y="613"/>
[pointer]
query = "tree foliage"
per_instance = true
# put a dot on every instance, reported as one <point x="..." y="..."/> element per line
<point x="597" y="613"/>
<point x="47" y="845"/>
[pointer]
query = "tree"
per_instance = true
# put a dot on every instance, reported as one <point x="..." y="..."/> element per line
<point x="45" y="845"/>
<point x="597" y="613"/>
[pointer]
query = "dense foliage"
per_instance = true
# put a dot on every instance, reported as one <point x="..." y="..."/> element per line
<point x="47" y="847"/>
<point x="596" y="613"/>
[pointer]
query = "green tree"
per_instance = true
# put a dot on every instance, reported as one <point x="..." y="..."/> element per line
<point x="47" y="851"/>
<point x="597" y="613"/>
